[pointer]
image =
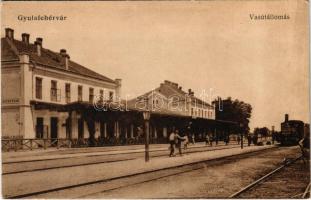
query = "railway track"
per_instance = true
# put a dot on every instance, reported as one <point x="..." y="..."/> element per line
<point x="306" y="193"/>
<point x="286" y="163"/>
<point x="163" y="172"/>
<point x="101" y="162"/>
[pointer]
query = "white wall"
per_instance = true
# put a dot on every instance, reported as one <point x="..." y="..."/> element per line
<point x="10" y="96"/>
<point x="46" y="87"/>
<point x="46" y="115"/>
<point x="10" y="122"/>
<point x="10" y="85"/>
<point x="26" y="118"/>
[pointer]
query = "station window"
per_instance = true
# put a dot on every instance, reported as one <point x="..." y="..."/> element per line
<point x="91" y="95"/>
<point x="67" y="91"/>
<point x="80" y="92"/>
<point x="38" y="88"/>
<point x="53" y="90"/>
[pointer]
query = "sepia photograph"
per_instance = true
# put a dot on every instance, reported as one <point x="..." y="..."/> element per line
<point x="155" y="99"/>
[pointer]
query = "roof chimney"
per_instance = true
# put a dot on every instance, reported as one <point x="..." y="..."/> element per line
<point x="9" y="33"/>
<point x="25" y="38"/>
<point x="63" y="52"/>
<point x="38" y="44"/>
<point x="39" y="40"/>
<point x="190" y="92"/>
<point x="167" y="82"/>
<point x="118" y="89"/>
<point x="65" y="58"/>
<point x="286" y="117"/>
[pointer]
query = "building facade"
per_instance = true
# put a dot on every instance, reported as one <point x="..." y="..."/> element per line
<point x="173" y="108"/>
<point x="33" y="75"/>
<point x="169" y="97"/>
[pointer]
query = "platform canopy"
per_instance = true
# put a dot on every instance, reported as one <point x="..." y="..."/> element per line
<point x="120" y="111"/>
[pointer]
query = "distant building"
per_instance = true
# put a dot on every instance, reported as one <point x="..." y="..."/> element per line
<point x="169" y="97"/>
<point x="33" y="76"/>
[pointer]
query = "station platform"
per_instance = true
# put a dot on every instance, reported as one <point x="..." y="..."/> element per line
<point x="53" y="153"/>
<point x="25" y="183"/>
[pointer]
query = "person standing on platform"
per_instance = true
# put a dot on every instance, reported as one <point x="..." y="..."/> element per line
<point x="238" y="139"/>
<point x="207" y="140"/>
<point x="249" y="139"/>
<point x="228" y="139"/>
<point x="178" y="141"/>
<point x="172" y="143"/>
<point x="193" y="142"/>
<point x="186" y="142"/>
<point x="273" y="137"/>
<point x="225" y="140"/>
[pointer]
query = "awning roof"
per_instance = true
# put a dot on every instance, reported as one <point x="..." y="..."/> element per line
<point x="112" y="106"/>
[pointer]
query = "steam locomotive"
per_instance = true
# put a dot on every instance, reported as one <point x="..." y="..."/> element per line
<point x="292" y="131"/>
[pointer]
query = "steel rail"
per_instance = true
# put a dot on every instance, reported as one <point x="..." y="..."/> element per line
<point x="307" y="191"/>
<point x="263" y="178"/>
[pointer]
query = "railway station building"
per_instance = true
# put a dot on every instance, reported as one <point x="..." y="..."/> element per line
<point x="46" y="95"/>
<point x="37" y="83"/>
<point x="174" y="108"/>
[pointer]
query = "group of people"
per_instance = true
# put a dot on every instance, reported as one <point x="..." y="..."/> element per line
<point x="250" y="139"/>
<point x="177" y="142"/>
<point x="181" y="141"/>
<point x="209" y="140"/>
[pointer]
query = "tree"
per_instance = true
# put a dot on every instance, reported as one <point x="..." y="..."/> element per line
<point x="263" y="132"/>
<point x="234" y="110"/>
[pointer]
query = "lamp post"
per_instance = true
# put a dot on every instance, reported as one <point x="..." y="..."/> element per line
<point x="146" y="115"/>
<point x="241" y="129"/>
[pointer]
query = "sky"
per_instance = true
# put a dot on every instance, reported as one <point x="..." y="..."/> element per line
<point x="211" y="46"/>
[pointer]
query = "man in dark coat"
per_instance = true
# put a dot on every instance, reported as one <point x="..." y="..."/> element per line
<point x="178" y="140"/>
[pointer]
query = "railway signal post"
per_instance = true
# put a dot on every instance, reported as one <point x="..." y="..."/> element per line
<point x="241" y="129"/>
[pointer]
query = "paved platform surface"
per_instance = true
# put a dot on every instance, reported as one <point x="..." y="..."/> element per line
<point x="53" y="153"/>
<point x="29" y="182"/>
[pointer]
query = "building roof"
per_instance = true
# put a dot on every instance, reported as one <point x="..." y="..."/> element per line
<point x="131" y="105"/>
<point x="170" y="89"/>
<point x="11" y="48"/>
